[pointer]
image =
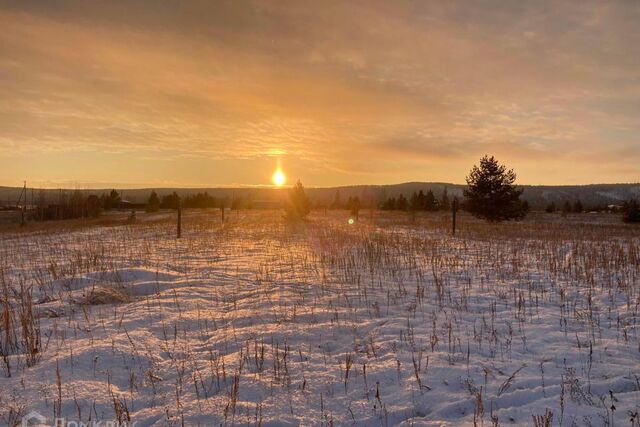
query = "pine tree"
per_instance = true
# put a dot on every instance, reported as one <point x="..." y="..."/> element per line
<point x="170" y="201"/>
<point x="354" y="207"/>
<point x="430" y="202"/>
<point x="389" y="204"/>
<point x="631" y="211"/>
<point x="402" y="203"/>
<point x="492" y="194"/>
<point x="153" y="203"/>
<point x="110" y="201"/>
<point x="298" y="206"/>
<point x="415" y="204"/>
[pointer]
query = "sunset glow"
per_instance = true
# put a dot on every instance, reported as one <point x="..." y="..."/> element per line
<point x="200" y="93"/>
<point x="279" y="178"/>
<point x="371" y="212"/>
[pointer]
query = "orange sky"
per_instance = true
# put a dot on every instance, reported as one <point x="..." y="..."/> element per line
<point x="207" y="93"/>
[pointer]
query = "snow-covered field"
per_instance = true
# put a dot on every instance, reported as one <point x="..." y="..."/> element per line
<point x="383" y="322"/>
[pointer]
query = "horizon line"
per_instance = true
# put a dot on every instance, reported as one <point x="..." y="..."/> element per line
<point x="274" y="187"/>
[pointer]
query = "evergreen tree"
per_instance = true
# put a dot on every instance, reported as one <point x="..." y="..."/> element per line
<point x="389" y="204"/>
<point x="111" y="201"/>
<point x="416" y="202"/>
<point x="422" y="200"/>
<point x="430" y="202"/>
<point x="170" y="201"/>
<point x="200" y="200"/>
<point x="566" y="208"/>
<point x="298" y="206"/>
<point x="115" y="198"/>
<point x="402" y="203"/>
<point x="354" y="206"/>
<point x="76" y="205"/>
<point x="631" y="211"/>
<point x="491" y="193"/>
<point x="392" y="204"/>
<point x="153" y="203"/>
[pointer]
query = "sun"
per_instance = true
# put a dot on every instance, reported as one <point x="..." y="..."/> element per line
<point x="279" y="178"/>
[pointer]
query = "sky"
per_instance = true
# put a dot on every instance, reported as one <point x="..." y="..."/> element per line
<point x="152" y="93"/>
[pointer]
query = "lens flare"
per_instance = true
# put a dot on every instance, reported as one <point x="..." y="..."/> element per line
<point x="279" y="178"/>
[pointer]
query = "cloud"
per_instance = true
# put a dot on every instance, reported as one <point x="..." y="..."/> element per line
<point x="355" y="91"/>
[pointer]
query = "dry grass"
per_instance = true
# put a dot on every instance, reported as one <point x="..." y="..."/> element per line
<point x="102" y="294"/>
<point x="458" y="302"/>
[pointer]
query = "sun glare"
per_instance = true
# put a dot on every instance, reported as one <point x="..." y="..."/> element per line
<point x="279" y="177"/>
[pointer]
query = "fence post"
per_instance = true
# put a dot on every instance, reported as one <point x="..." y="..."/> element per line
<point x="222" y="213"/>
<point x="179" y="218"/>
<point x="454" y="208"/>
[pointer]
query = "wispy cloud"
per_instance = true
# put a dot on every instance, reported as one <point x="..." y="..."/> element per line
<point x="367" y="91"/>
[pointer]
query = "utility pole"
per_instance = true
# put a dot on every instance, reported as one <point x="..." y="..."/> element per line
<point x="22" y="203"/>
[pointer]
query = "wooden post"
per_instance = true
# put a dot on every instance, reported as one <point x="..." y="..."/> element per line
<point x="222" y="213"/>
<point x="454" y="208"/>
<point x="179" y="218"/>
<point x="24" y="204"/>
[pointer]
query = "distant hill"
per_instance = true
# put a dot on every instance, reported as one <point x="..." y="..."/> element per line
<point x="537" y="195"/>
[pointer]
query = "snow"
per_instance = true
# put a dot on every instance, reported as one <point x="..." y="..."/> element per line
<point x="255" y="322"/>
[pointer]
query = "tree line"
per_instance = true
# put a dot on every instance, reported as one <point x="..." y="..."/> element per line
<point x="193" y="201"/>
<point x="491" y="194"/>
<point x="419" y="201"/>
<point x="80" y="205"/>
